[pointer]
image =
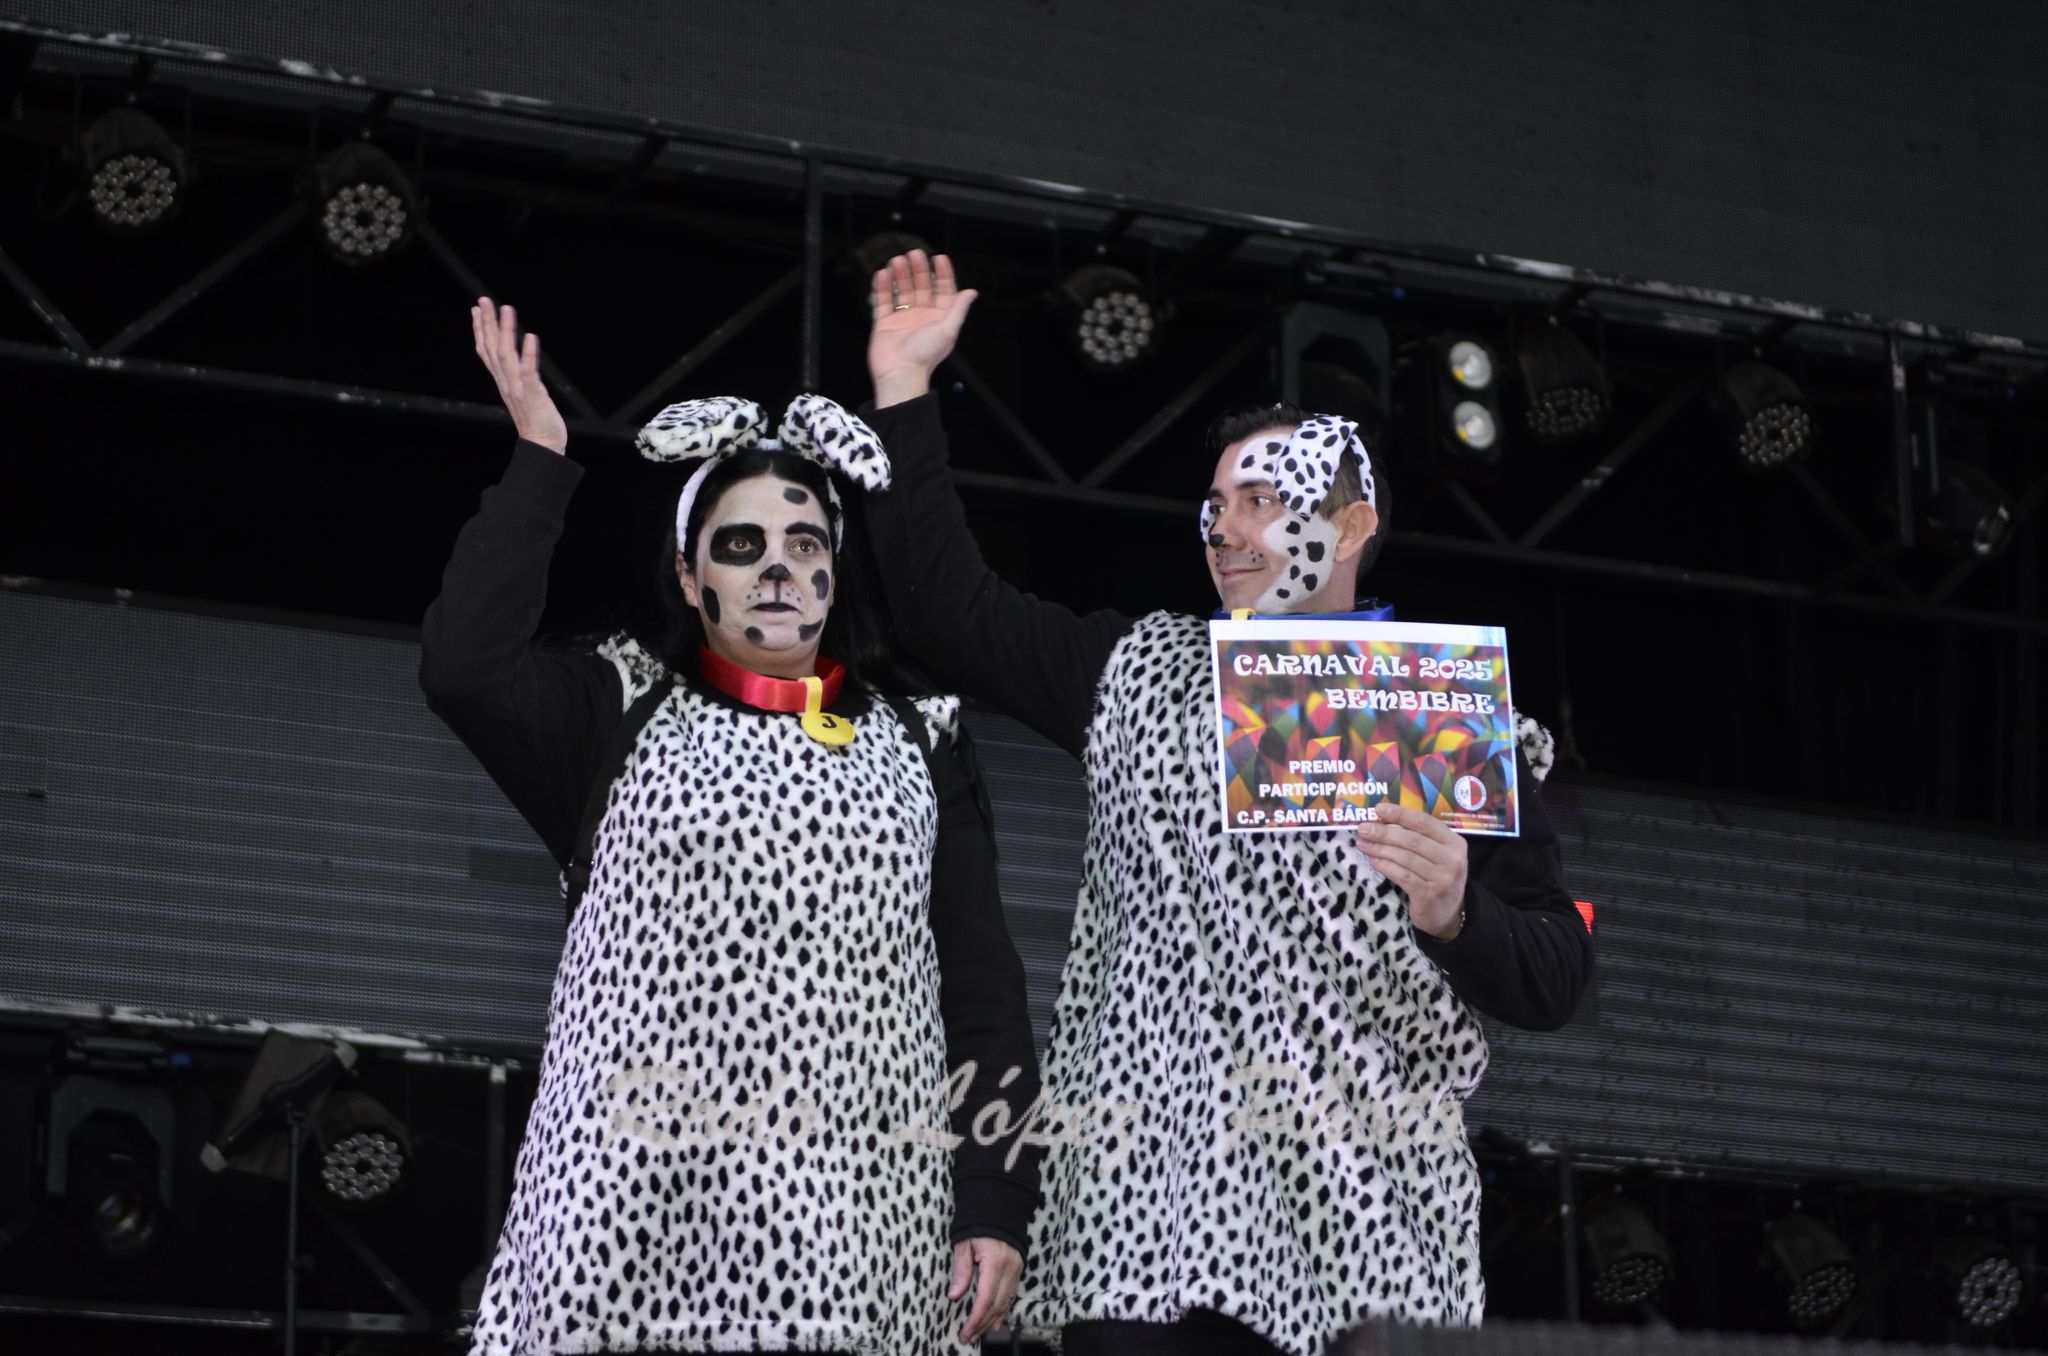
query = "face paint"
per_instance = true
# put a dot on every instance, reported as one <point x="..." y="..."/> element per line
<point x="1262" y="553"/>
<point x="1301" y="544"/>
<point x="1247" y="529"/>
<point x="759" y="571"/>
<point x="737" y="544"/>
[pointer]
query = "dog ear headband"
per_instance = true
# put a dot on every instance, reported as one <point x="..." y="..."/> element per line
<point x="817" y="429"/>
<point x="1303" y="466"/>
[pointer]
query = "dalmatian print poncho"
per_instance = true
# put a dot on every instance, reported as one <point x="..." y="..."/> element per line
<point x="1314" y="1092"/>
<point x="1257" y="1067"/>
<point x="720" y="1132"/>
<point x="739" y="1139"/>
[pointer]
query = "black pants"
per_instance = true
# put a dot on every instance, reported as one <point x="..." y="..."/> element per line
<point x="1200" y="1332"/>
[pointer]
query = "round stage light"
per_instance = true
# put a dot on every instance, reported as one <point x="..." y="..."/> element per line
<point x="1471" y="366"/>
<point x="1819" y="1274"/>
<point x="1981" y="1278"/>
<point x="364" y="1150"/>
<point x="362" y="1167"/>
<point x="1631" y="1262"/>
<point x="1116" y="322"/>
<point x="1773" y="425"/>
<point x="1474" y="424"/>
<point x="134" y="172"/>
<point x="1972" y="514"/>
<point x="1567" y="390"/>
<point x="365" y="204"/>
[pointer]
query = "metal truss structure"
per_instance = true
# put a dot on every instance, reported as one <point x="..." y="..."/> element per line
<point x="1259" y="267"/>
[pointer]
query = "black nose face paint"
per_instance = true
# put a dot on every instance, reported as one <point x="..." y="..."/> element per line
<point x="710" y="598"/>
<point x="1216" y="540"/>
<point x="778" y="572"/>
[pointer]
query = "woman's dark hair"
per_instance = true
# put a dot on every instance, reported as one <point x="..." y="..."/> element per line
<point x="1345" y="490"/>
<point x="856" y="626"/>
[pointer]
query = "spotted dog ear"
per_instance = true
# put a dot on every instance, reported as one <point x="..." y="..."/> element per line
<point x="1305" y="467"/>
<point x="827" y="433"/>
<point x="1538" y="745"/>
<point x="698" y="428"/>
<point x="1208" y="520"/>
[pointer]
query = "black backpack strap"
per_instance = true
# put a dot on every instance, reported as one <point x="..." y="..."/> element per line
<point x="963" y="749"/>
<point x="913" y="724"/>
<point x="576" y="875"/>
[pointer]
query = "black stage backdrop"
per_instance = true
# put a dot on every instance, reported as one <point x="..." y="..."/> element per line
<point x="1879" y="155"/>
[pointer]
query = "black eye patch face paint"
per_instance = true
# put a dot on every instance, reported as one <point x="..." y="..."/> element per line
<point x="738" y="544"/>
<point x="710" y="598"/>
<point x="821" y="582"/>
<point x="795" y="495"/>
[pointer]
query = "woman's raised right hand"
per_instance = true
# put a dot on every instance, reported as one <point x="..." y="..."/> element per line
<point x="516" y="369"/>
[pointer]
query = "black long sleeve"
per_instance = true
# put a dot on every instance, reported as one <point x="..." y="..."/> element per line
<point x="982" y="1000"/>
<point x="537" y="721"/>
<point x="1524" y="955"/>
<point x="1034" y="660"/>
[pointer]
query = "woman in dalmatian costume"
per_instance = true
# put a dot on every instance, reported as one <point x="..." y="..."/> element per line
<point x="787" y="993"/>
<point x="1262" y="1043"/>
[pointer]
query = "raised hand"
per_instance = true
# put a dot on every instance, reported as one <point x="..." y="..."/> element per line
<point x="516" y="369"/>
<point x="918" y="310"/>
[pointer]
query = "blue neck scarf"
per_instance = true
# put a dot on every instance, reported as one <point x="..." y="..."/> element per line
<point x="1364" y="609"/>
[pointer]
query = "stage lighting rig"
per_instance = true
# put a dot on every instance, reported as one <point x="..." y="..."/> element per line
<point x="364" y="205"/>
<point x="363" y="1149"/>
<point x="108" y="1137"/>
<point x="1968" y="512"/>
<point x="1631" y="1262"/>
<point x="135" y="175"/>
<point x="1769" y="417"/>
<point x="1467" y="400"/>
<point x="1818" y="1272"/>
<point x="1567" y="390"/>
<point x="1115" y="318"/>
<point x="1979" y="1278"/>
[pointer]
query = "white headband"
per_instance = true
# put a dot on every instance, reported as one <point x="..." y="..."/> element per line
<point x="1303" y="468"/>
<point x="814" y="428"/>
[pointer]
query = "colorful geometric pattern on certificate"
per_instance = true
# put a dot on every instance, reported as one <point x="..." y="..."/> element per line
<point x="1295" y="758"/>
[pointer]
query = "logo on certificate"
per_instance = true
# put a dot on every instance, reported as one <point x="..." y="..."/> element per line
<point x="1471" y="793"/>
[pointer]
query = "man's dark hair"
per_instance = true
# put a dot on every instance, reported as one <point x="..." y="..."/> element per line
<point x="856" y="633"/>
<point x="1346" y="488"/>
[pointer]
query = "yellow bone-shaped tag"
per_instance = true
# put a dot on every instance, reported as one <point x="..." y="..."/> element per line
<point x="820" y="724"/>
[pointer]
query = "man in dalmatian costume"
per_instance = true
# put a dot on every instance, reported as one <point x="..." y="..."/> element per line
<point x="787" y="997"/>
<point x="1262" y="1043"/>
